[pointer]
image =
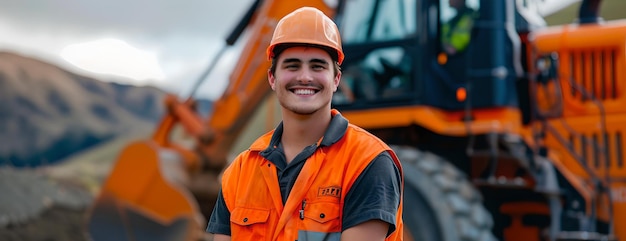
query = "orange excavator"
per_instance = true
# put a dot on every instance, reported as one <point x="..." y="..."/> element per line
<point x="521" y="135"/>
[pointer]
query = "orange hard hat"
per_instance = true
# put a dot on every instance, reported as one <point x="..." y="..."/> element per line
<point x="308" y="26"/>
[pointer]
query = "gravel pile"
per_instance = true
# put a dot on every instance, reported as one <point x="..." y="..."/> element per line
<point x="34" y="207"/>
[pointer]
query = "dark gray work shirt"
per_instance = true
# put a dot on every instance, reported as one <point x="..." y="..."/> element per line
<point x="375" y="195"/>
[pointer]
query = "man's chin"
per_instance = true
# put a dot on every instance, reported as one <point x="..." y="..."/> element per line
<point x="302" y="110"/>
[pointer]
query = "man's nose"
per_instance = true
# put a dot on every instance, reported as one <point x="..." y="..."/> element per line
<point x="305" y="76"/>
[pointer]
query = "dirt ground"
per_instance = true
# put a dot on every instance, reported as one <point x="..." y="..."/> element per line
<point x="60" y="224"/>
<point x="34" y="207"/>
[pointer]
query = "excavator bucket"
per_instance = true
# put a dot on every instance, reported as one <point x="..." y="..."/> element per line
<point x="144" y="198"/>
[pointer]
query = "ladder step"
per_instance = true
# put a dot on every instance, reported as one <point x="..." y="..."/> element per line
<point x="517" y="182"/>
<point x="584" y="236"/>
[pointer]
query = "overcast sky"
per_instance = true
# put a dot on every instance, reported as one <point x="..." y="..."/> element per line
<point x="168" y="41"/>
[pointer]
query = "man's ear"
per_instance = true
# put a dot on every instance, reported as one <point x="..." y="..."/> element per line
<point x="337" y="80"/>
<point x="271" y="79"/>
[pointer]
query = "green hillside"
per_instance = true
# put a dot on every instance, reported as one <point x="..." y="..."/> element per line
<point x="609" y="10"/>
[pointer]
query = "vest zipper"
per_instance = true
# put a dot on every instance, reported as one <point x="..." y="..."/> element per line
<point x="302" y="210"/>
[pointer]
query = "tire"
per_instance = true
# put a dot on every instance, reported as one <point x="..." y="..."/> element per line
<point x="439" y="201"/>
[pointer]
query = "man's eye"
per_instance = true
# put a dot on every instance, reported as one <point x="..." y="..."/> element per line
<point x="292" y="66"/>
<point x="318" y="67"/>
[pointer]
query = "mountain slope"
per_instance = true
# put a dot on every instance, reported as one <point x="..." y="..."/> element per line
<point x="47" y="113"/>
<point x="609" y="10"/>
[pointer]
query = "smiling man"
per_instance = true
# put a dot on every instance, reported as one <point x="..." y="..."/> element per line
<point x="316" y="176"/>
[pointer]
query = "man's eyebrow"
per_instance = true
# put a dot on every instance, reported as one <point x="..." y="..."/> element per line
<point x="319" y="61"/>
<point x="296" y="60"/>
<point x="292" y="60"/>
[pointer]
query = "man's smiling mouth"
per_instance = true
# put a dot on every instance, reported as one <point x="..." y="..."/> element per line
<point x="304" y="91"/>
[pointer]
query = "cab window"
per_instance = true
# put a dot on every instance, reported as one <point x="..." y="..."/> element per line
<point x="378" y="38"/>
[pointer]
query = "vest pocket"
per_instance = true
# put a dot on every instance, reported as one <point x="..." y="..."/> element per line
<point x="322" y="217"/>
<point x="249" y="224"/>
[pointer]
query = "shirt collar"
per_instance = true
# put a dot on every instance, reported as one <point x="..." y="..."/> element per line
<point x="335" y="131"/>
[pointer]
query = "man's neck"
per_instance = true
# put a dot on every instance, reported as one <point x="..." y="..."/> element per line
<point x="300" y="131"/>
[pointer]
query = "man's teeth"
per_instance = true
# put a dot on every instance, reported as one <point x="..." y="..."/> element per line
<point x="304" y="92"/>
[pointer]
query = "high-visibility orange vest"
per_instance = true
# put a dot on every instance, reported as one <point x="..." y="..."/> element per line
<point x="315" y="205"/>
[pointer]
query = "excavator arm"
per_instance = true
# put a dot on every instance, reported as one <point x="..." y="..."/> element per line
<point x="158" y="188"/>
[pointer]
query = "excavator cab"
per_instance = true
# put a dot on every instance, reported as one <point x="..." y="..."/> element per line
<point x="397" y="55"/>
<point x="400" y="82"/>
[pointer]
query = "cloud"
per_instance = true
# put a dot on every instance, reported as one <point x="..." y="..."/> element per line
<point x="113" y="56"/>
